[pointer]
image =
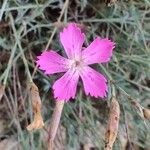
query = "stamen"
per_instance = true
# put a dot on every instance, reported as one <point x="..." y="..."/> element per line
<point x="76" y="64"/>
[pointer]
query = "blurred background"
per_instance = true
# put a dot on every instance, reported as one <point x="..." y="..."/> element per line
<point x="27" y="27"/>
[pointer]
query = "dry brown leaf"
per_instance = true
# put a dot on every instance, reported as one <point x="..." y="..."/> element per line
<point x="146" y="113"/>
<point x="36" y="104"/>
<point x="2" y="90"/>
<point x="113" y="123"/>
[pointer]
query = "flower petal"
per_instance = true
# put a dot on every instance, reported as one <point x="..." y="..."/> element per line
<point x="65" y="87"/>
<point x="72" y="40"/>
<point x="51" y="62"/>
<point x="94" y="82"/>
<point x="99" y="51"/>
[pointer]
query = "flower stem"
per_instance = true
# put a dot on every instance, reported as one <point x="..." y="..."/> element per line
<point x="54" y="123"/>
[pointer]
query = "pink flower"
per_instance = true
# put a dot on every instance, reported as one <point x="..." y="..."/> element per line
<point x="77" y="64"/>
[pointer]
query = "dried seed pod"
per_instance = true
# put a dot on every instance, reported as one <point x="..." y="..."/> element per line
<point x="113" y="123"/>
<point x="36" y="104"/>
<point x="2" y="90"/>
<point x="146" y="113"/>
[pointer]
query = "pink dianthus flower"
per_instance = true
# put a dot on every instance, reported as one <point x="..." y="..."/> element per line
<point x="77" y="64"/>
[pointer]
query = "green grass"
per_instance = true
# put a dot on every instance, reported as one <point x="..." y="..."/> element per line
<point x="25" y="29"/>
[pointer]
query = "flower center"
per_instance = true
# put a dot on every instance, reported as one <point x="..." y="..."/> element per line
<point x="76" y="64"/>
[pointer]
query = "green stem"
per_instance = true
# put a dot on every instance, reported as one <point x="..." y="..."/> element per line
<point x="20" y="47"/>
